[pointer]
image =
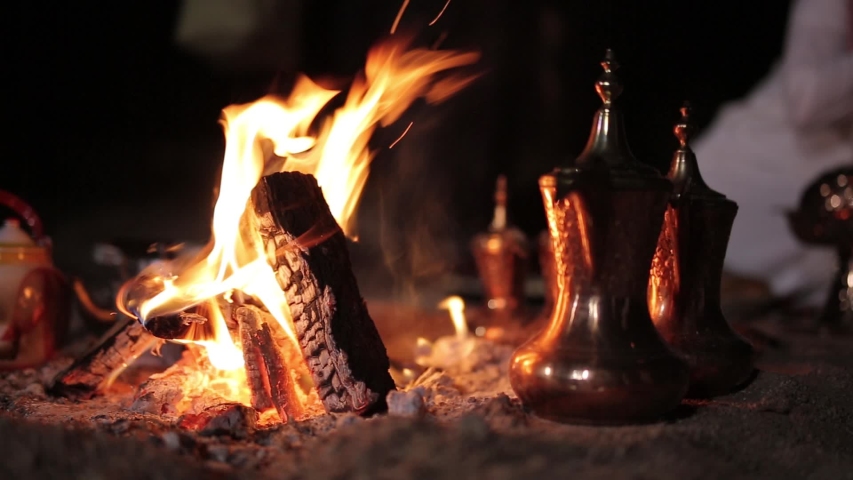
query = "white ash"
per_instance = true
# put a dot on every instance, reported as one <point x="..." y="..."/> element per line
<point x="31" y="382"/>
<point x="482" y="371"/>
<point x="171" y="440"/>
<point x="460" y="385"/>
<point x="408" y="403"/>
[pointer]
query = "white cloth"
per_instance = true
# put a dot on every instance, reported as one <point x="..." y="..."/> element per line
<point x="764" y="150"/>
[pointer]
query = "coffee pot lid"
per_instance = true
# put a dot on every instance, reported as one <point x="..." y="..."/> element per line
<point x="607" y="154"/>
<point x="684" y="170"/>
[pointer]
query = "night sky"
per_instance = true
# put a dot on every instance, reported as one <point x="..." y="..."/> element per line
<point x="112" y="130"/>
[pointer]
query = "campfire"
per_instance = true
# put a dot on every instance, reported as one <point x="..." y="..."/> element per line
<point x="272" y="359"/>
<point x="269" y="310"/>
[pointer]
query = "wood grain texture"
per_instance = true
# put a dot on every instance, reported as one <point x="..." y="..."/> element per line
<point x="308" y="251"/>
<point x="116" y="349"/>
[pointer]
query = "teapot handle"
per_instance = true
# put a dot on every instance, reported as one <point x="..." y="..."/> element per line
<point x="26" y="212"/>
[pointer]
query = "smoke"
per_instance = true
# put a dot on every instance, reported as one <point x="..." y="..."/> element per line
<point x="425" y="199"/>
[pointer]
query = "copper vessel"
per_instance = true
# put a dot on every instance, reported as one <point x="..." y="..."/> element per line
<point x="825" y="218"/>
<point x="684" y="284"/>
<point x="600" y="360"/>
<point x="501" y="257"/>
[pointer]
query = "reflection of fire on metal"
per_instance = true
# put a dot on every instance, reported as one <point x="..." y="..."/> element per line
<point x="271" y="303"/>
<point x="600" y="359"/>
<point x="684" y="284"/>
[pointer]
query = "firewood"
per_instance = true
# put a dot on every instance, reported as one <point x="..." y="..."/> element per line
<point x="283" y="389"/>
<point x="337" y="336"/>
<point x="231" y="419"/>
<point x="266" y="368"/>
<point x="188" y="324"/>
<point x="162" y="394"/>
<point x="183" y="387"/>
<point x="116" y="349"/>
<point x="253" y="361"/>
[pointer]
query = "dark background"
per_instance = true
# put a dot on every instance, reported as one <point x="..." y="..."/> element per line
<point x="111" y="130"/>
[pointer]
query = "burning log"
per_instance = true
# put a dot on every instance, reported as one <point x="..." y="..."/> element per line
<point x="337" y="336"/>
<point x="185" y="324"/>
<point x="225" y="419"/>
<point x="119" y="347"/>
<point x="256" y="374"/>
<point x="267" y="365"/>
<point x="164" y="393"/>
<point x="191" y="386"/>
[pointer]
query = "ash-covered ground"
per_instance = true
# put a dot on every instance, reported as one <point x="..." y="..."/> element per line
<point x="794" y="420"/>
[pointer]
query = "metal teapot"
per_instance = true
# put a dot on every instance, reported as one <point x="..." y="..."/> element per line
<point x="34" y="296"/>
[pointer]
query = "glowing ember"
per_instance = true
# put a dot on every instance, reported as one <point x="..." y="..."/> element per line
<point x="273" y="135"/>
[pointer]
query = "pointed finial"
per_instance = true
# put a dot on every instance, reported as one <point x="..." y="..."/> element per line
<point x="608" y="86"/>
<point x="609" y="64"/>
<point x="499" y="219"/>
<point x="684" y="129"/>
<point x="500" y="191"/>
<point x="684" y="169"/>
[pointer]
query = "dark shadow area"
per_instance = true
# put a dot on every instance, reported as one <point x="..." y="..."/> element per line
<point x="681" y="412"/>
<point x="114" y="128"/>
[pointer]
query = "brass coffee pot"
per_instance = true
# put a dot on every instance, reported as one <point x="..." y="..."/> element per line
<point x="684" y="284"/>
<point x="600" y="360"/>
<point x="501" y="257"/>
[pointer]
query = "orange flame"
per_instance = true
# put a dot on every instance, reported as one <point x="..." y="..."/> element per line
<point x="456" y="307"/>
<point x="338" y="156"/>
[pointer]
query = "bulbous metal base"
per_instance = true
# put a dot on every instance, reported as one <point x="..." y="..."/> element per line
<point x="719" y="362"/>
<point x="684" y="295"/>
<point x="564" y="388"/>
<point x="597" y="370"/>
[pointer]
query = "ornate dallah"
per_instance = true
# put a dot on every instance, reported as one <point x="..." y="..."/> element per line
<point x="600" y="359"/>
<point x="684" y="284"/>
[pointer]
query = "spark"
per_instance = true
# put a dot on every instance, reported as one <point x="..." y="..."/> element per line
<point x="401" y="136"/>
<point x="399" y="16"/>
<point x="439" y="14"/>
<point x="441" y="38"/>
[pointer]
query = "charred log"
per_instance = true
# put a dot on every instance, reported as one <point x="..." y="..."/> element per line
<point x="267" y="368"/>
<point x="256" y="375"/>
<point x="233" y="419"/>
<point x="163" y="393"/>
<point x="337" y="336"/>
<point x="188" y="324"/>
<point x="116" y="349"/>
<point x="178" y="326"/>
<point x="186" y="386"/>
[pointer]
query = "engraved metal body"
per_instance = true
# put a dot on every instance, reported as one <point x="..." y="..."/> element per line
<point x="548" y="267"/>
<point x="600" y="360"/>
<point x="684" y="284"/>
